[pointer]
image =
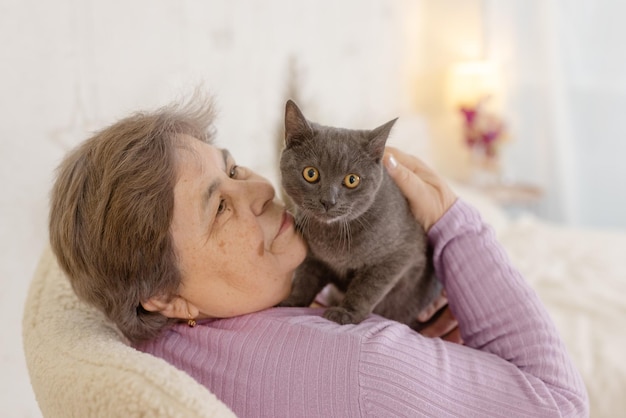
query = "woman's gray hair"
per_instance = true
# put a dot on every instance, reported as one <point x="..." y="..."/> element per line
<point x="111" y="211"/>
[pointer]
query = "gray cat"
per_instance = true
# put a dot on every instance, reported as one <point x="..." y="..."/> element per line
<point x="358" y="226"/>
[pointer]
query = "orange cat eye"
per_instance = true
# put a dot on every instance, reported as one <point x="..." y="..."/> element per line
<point x="310" y="174"/>
<point x="351" y="181"/>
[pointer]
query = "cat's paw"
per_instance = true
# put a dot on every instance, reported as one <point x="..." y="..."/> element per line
<point x="342" y="316"/>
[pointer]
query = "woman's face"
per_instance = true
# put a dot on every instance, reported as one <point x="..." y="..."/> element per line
<point x="236" y="245"/>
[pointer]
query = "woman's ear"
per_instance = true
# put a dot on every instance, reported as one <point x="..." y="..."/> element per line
<point x="172" y="307"/>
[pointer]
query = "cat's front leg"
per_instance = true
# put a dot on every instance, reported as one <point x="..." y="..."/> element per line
<point x="309" y="279"/>
<point x="343" y="316"/>
<point x="367" y="288"/>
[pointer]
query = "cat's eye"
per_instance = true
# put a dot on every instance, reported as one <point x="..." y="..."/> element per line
<point x="311" y="174"/>
<point x="351" y="181"/>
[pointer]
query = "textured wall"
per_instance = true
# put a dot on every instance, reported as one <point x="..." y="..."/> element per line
<point x="72" y="66"/>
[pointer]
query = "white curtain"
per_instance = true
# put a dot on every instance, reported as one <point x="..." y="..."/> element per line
<point x="564" y="64"/>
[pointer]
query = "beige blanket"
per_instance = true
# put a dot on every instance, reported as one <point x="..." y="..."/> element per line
<point x="81" y="366"/>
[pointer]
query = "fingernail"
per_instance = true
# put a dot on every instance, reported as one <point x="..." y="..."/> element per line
<point x="391" y="162"/>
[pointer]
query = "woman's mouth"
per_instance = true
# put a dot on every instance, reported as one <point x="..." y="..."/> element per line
<point x="287" y="222"/>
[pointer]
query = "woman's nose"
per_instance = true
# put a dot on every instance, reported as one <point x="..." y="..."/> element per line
<point x="261" y="194"/>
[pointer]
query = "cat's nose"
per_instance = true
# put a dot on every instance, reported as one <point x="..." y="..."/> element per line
<point x="328" y="203"/>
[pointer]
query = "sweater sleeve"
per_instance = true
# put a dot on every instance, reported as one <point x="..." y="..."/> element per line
<point x="514" y="362"/>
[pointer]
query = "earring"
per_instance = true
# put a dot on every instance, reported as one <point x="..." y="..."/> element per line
<point x="191" y="322"/>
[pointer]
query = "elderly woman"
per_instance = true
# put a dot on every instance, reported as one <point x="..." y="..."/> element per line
<point x="188" y="253"/>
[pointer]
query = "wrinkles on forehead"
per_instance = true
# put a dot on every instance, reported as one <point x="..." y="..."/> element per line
<point x="186" y="154"/>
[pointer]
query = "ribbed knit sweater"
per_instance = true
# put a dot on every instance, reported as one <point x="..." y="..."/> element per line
<point x="291" y="362"/>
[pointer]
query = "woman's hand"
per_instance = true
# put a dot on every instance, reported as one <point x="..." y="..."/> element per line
<point x="442" y="323"/>
<point x="429" y="196"/>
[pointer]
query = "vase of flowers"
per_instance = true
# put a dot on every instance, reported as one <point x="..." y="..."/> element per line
<point x="483" y="134"/>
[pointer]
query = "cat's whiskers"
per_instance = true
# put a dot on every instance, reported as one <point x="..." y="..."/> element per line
<point x="340" y="240"/>
<point x="340" y="236"/>
<point x="365" y="224"/>
<point x="302" y="222"/>
<point x="345" y="232"/>
<point x="306" y="222"/>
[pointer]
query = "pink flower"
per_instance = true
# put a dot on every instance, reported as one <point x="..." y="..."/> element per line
<point x="482" y="130"/>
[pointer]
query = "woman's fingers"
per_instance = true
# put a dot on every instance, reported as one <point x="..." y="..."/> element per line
<point x="442" y="326"/>
<point x="428" y="194"/>
<point x="435" y="305"/>
<point x="454" y="336"/>
<point x="429" y="198"/>
<point x="410" y="184"/>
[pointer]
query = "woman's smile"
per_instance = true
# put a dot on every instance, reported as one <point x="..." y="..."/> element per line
<point x="287" y="223"/>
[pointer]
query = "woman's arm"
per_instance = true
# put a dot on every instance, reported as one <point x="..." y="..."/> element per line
<point x="497" y="311"/>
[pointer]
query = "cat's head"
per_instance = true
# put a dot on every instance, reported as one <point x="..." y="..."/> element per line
<point x="331" y="174"/>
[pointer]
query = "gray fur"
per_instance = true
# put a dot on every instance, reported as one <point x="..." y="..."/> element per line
<point x="363" y="240"/>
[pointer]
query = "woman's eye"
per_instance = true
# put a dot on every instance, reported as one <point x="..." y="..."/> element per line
<point x="222" y="206"/>
<point x="233" y="171"/>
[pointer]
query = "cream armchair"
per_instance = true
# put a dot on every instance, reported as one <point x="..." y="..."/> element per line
<point x="80" y="365"/>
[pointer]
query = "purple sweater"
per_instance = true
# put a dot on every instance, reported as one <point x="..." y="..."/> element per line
<point x="291" y="362"/>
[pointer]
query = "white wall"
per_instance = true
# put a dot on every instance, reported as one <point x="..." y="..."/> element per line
<point x="72" y="66"/>
<point x="595" y="59"/>
<point x="565" y="66"/>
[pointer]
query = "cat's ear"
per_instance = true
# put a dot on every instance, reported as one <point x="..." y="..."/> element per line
<point x="378" y="139"/>
<point x="296" y="125"/>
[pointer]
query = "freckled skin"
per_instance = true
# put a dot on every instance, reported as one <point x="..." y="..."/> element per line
<point x="232" y="259"/>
